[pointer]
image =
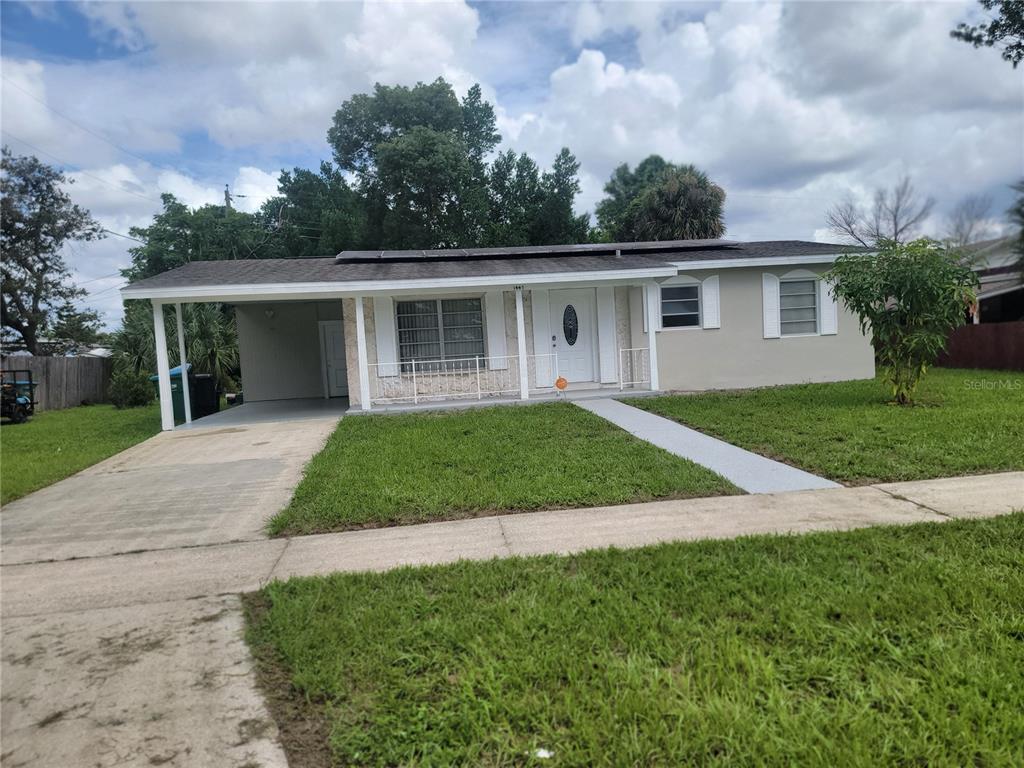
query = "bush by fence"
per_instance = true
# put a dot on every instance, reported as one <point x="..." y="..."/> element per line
<point x="64" y="382"/>
<point x="999" y="346"/>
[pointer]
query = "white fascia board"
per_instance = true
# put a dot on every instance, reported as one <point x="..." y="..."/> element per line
<point x="285" y="291"/>
<point x="767" y="261"/>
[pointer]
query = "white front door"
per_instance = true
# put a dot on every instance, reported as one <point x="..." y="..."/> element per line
<point x="573" y="326"/>
<point x="332" y="348"/>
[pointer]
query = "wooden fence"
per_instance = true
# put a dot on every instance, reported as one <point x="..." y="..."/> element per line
<point x="988" y="345"/>
<point x="64" y="382"/>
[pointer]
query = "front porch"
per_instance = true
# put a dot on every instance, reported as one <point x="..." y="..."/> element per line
<point x="407" y="350"/>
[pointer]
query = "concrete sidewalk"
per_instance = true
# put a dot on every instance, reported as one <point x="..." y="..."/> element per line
<point x="746" y="470"/>
<point x="193" y="572"/>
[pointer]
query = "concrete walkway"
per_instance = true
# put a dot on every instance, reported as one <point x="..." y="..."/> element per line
<point x="746" y="470"/>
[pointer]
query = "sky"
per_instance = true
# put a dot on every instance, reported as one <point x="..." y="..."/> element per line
<point x="790" y="107"/>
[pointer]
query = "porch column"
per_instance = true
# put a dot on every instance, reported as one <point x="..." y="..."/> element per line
<point x="185" y="395"/>
<point x="163" y="370"/>
<point x="363" y="360"/>
<point x="524" y="372"/>
<point x="653" y="322"/>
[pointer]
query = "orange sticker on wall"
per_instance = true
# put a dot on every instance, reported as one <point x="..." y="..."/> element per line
<point x="561" y="383"/>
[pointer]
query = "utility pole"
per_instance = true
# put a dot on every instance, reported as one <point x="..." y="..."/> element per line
<point x="227" y="197"/>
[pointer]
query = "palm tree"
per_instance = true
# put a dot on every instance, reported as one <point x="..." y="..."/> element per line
<point x="683" y="204"/>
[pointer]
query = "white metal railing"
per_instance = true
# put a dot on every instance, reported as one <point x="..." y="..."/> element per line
<point x="416" y="381"/>
<point x="634" y="367"/>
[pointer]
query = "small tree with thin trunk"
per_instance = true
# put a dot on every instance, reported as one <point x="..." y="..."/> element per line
<point x="910" y="296"/>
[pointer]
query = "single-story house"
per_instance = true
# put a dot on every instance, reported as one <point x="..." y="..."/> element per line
<point x="1000" y="280"/>
<point x="386" y="328"/>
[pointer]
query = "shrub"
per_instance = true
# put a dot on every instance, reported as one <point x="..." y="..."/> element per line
<point x="910" y="296"/>
<point x="130" y="388"/>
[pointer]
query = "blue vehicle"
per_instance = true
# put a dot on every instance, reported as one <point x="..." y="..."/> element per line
<point x="17" y="396"/>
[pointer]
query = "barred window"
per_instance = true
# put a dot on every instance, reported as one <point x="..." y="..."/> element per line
<point x="442" y="334"/>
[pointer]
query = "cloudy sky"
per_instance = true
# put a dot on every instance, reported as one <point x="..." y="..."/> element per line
<point x="788" y="106"/>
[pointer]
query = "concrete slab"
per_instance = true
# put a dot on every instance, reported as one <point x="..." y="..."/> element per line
<point x="276" y="411"/>
<point x="385" y="548"/>
<point x="128" y="580"/>
<point x="178" y="489"/>
<point x="637" y="525"/>
<point x="746" y="470"/>
<point x="972" y="496"/>
<point x="166" y="684"/>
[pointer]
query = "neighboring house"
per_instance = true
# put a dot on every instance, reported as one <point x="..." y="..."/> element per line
<point x="1001" y="283"/>
<point x="396" y="327"/>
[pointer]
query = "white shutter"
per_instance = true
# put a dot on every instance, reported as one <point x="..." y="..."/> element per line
<point x="494" y="313"/>
<point x="384" y="333"/>
<point x="541" y="311"/>
<point x="709" y="298"/>
<point x="606" y="342"/>
<point x="829" y="322"/>
<point x="770" y="304"/>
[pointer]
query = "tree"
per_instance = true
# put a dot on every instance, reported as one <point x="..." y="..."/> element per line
<point x="968" y="221"/>
<point x="211" y="340"/>
<point x="179" y="234"/>
<point x="1005" y="30"/>
<point x="683" y="205"/>
<point x="661" y="201"/>
<point x="910" y="296"/>
<point x="38" y="219"/>
<point x="556" y="224"/>
<point x="418" y="154"/>
<point x="315" y="214"/>
<point x="895" y="215"/>
<point x="74" y="330"/>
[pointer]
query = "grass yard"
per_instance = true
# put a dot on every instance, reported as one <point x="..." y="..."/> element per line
<point x="411" y="468"/>
<point x="966" y="422"/>
<point x="898" y="646"/>
<point x="53" y="445"/>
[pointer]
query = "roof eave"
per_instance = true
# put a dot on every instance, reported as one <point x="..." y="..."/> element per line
<point x="314" y="290"/>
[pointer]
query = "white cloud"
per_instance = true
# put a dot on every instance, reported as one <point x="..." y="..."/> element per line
<point x="789" y="106"/>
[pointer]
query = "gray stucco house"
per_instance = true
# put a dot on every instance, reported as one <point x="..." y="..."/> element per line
<point x="385" y="328"/>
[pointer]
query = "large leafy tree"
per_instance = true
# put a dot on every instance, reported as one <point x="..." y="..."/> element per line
<point x="1004" y="30"/>
<point x="315" y="214"/>
<point x="179" y="234"/>
<point x="661" y="201"/>
<point x="909" y="296"/>
<point x="38" y="220"/>
<point x="418" y="154"/>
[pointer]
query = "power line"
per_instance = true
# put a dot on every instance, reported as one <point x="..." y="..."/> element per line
<point x="84" y="173"/>
<point x="126" y="237"/>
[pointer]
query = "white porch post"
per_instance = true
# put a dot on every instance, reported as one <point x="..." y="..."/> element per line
<point x="185" y="395"/>
<point x="524" y="373"/>
<point x="364" y="364"/>
<point x="163" y="370"/>
<point x="653" y="321"/>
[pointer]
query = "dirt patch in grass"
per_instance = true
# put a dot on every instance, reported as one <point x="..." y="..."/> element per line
<point x="304" y="731"/>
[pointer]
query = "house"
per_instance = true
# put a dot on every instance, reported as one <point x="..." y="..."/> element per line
<point x="1000" y="280"/>
<point x="386" y="328"/>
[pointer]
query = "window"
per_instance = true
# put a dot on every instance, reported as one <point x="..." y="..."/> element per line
<point x="444" y="334"/>
<point x="680" y="306"/>
<point x="798" y="307"/>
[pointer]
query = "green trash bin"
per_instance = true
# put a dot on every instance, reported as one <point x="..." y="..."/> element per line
<point x="177" y="392"/>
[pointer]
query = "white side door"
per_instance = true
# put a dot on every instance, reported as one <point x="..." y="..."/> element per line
<point x="573" y="332"/>
<point x="332" y="350"/>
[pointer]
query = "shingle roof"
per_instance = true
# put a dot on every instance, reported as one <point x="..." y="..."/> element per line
<point x="414" y="265"/>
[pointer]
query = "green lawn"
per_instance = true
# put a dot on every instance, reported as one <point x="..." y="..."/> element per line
<point x="410" y="468"/>
<point x="966" y="422"/>
<point x="55" y="444"/>
<point x="897" y="646"/>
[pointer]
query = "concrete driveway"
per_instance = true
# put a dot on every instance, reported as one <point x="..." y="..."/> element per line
<point x="154" y="679"/>
<point x="179" y="489"/>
